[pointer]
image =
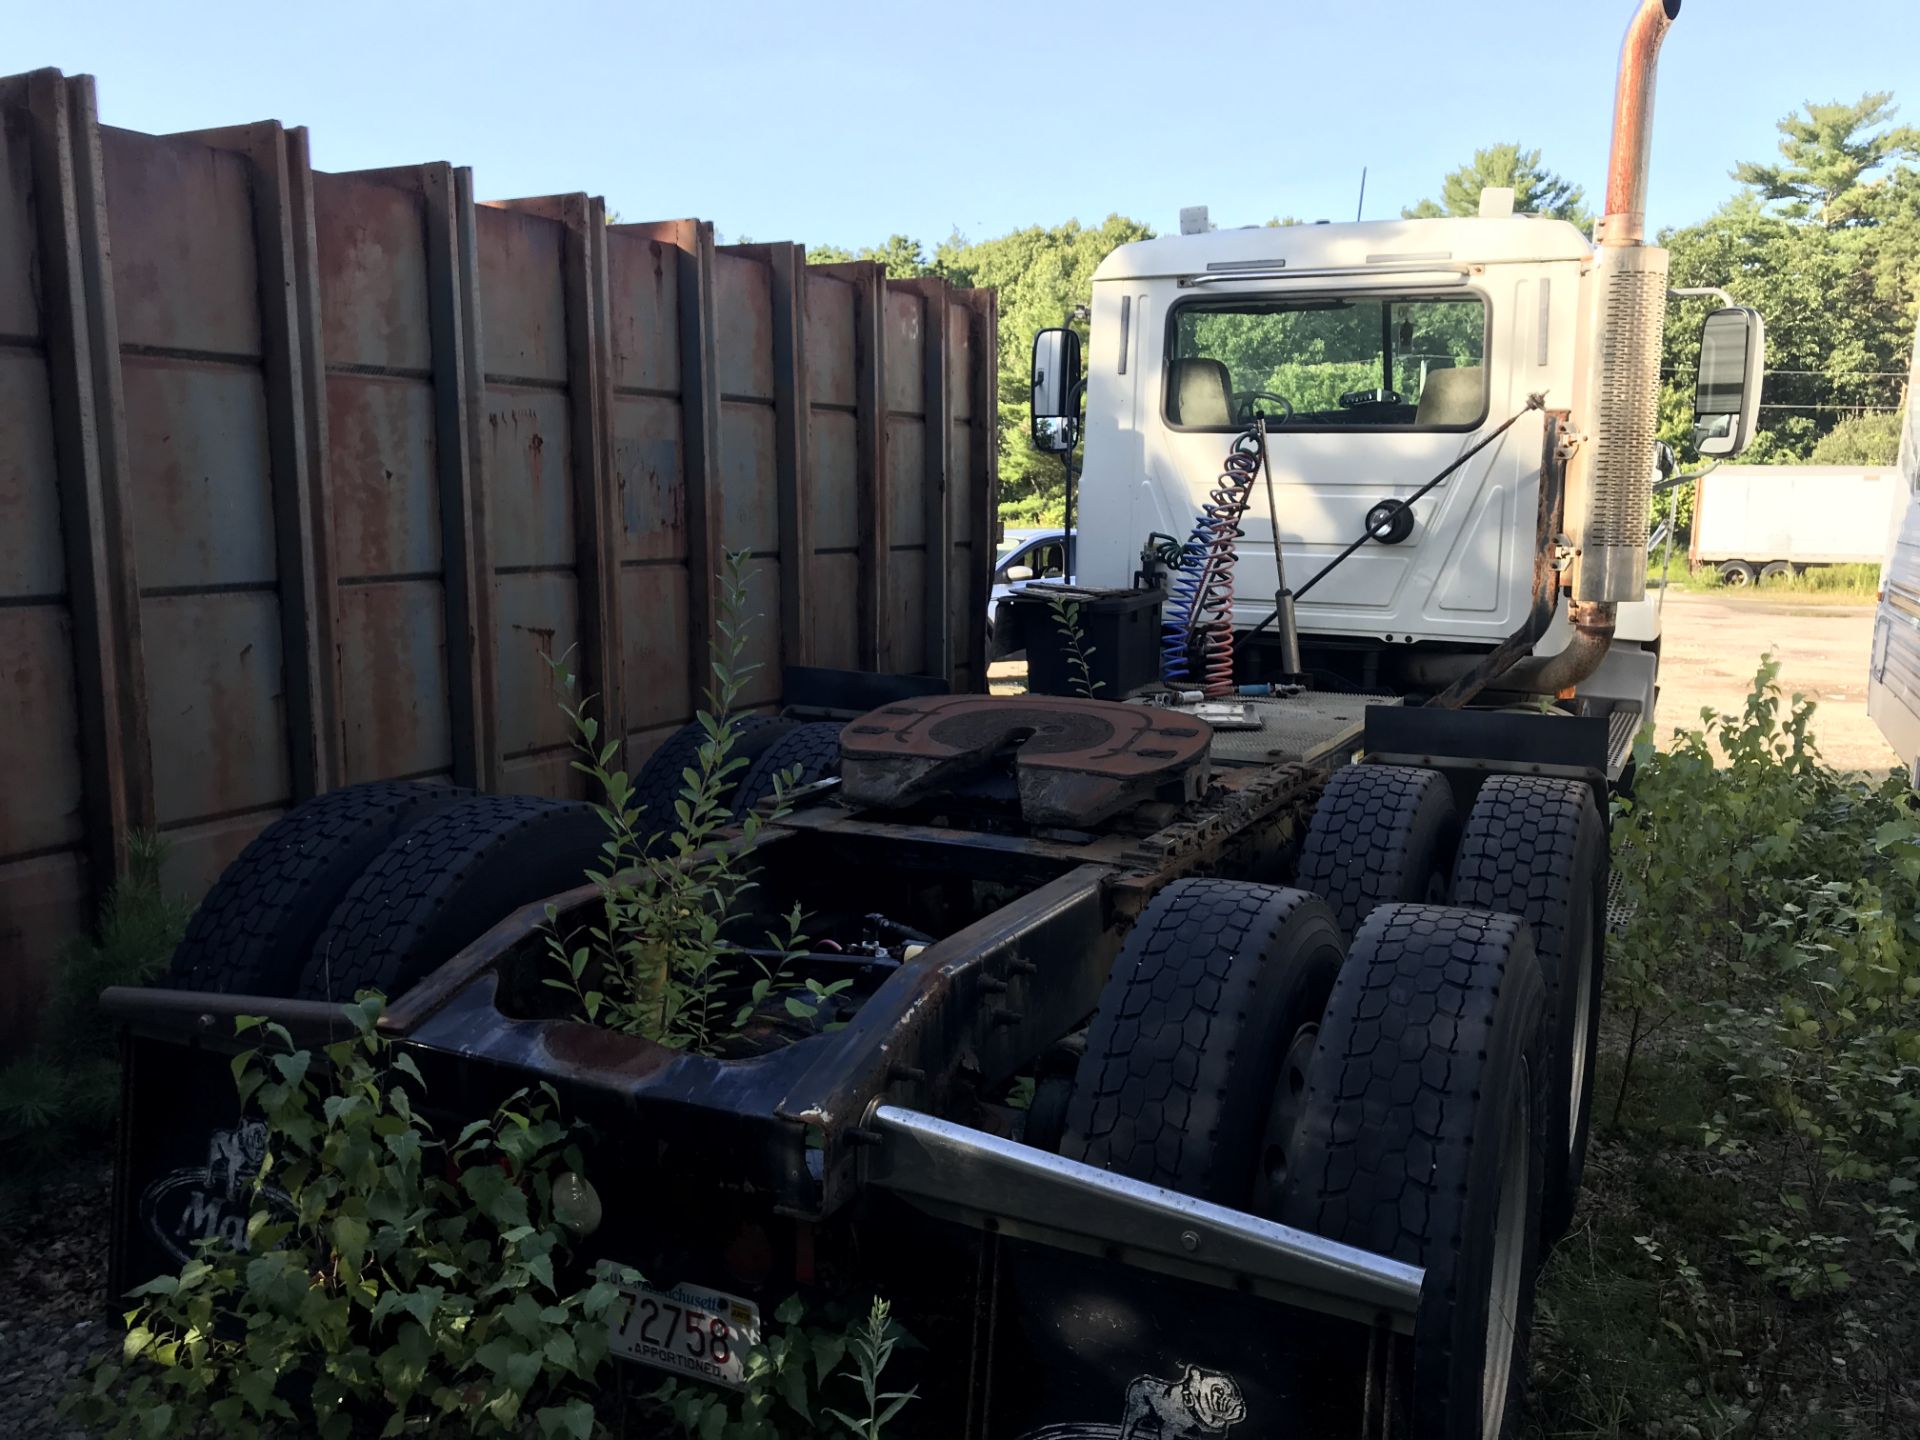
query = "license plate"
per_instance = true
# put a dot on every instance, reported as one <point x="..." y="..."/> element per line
<point x="701" y="1333"/>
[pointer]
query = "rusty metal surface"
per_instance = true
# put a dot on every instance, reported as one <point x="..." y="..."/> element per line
<point x="308" y="473"/>
<point x="1076" y="762"/>
<point x="1624" y="222"/>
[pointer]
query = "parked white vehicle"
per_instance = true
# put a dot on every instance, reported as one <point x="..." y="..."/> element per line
<point x="1893" y="681"/>
<point x="1766" y="522"/>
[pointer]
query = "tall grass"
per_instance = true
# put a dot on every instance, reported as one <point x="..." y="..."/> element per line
<point x="1836" y="582"/>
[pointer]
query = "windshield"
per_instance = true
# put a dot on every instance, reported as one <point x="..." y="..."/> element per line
<point x="1393" y="362"/>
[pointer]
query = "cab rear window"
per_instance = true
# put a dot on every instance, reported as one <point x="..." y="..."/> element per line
<point x="1405" y="362"/>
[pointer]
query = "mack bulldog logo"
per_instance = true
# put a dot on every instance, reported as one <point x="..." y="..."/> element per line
<point x="214" y="1200"/>
<point x="1200" y="1405"/>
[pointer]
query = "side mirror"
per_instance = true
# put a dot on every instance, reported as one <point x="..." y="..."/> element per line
<point x="1056" y="390"/>
<point x="1019" y="572"/>
<point x="1733" y="363"/>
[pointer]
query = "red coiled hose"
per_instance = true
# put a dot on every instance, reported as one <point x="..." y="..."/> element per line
<point x="1200" y="628"/>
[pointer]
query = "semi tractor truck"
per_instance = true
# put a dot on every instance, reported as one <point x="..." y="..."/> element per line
<point x="1206" y="1062"/>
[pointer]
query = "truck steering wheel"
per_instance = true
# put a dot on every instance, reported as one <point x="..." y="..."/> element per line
<point x="1243" y="403"/>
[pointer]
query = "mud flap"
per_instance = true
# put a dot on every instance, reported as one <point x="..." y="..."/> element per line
<point x="1089" y="1349"/>
<point x="188" y="1160"/>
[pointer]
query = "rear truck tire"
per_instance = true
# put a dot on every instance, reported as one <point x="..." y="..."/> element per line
<point x="1217" y="989"/>
<point x="1380" y="834"/>
<point x="1536" y="848"/>
<point x="444" y="884"/>
<point x="812" y="749"/>
<point x="1776" y="570"/>
<point x="257" y="926"/>
<point x="1737" y="574"/>
<point x="662" y="777"/>
<point x="1420" y="1140"/>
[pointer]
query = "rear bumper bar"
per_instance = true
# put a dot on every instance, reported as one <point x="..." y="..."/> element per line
<point x="999" y="1185"/>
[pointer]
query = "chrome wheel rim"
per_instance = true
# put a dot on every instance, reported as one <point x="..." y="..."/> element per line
<point x="1510" y="1239"/>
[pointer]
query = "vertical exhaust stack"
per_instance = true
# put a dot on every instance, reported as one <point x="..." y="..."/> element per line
<point x="1621" y="396"/>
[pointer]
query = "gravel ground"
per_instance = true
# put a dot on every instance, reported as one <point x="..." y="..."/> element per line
<point x="53" y="1303"/>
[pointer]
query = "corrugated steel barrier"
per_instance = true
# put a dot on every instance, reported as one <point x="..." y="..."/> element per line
<point x="304" y="476"/>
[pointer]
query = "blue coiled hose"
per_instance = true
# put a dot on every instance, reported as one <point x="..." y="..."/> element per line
<point x="1200" y="595"/>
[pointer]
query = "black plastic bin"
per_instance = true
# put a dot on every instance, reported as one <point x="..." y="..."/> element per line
<point x="1119" y="632"/>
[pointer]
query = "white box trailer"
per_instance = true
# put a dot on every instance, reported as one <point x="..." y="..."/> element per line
<point x="1765" y="521"/>
<point x="1893" y="676"/>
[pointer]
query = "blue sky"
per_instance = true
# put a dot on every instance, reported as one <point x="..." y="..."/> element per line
<point x="844" y="123"/>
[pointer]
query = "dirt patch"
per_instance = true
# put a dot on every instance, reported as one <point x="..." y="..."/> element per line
<point x="54" y="1316"/>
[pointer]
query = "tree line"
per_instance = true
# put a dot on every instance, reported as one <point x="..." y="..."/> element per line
<point x="1824" y="241"/>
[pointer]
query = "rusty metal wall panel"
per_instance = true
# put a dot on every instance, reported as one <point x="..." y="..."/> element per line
<point x="761" y="613"/>
<point x="373" y="273"/>
<point x="72" y="721"/>
<point x="375" y="454"/>
<point x="656" y="603"/>
<point x="749" y="502"/>
<point x="539" y="621"/>
<point x="202" y="496"/>
<point x="19" y="307"/>
<point x="528" y="460"/>
<point x="31" y="563"/>
<point x="834" y="451"/>
<point x="381" y="463"/>
<point x="644" y="284"/>
<point x="393" y="679"/>
<point x="648" y="471"/>
<point x="185" y="270"/>
<point x="906" y="473"/>
<point x="523" y="313"/>
<point x="830" y="356"/>
<point x="905" y="336"/>
<point x="836" y="626"/>
<point x="906" y="591"/>
<point x="384" y="478"/>
<point x="213" y="679"/>
<point x="743" y="335"/>
<point x="961" y="516"/>
<point x="186" y="292"/>
<point x="40" y="801"/>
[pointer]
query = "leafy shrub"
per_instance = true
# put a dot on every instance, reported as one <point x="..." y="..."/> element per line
<point x="1778" y="919"/>
<point x="792" y="1375"/>
<point x="389" y="1277"/>
<point x="661" y="962"/>
<point x="1066" y="618"/>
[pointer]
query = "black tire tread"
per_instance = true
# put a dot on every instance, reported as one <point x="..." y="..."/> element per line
<point x="253" y="932"/>
<point x="1385" y="1110"/>
<point x="1433" y="1005"/>
<point x="1162" y="1047"/>
<point x="1358" y="850"/>
<point x="1521" y="853"/>
<point x="813" y="749"/>
<point x="661" y="777"/>
<point x="374" y="936"/>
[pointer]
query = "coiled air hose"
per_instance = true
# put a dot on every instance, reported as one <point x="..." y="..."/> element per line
<point x="1196" y="633"/>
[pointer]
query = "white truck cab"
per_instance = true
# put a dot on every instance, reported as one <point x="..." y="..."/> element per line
<point x="1409" y="459"/>
<point x="1376" y="353"/>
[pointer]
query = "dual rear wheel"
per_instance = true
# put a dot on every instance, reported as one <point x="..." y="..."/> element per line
<point x="1420" y="1092"/>
<point x="376" y="885"/>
